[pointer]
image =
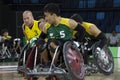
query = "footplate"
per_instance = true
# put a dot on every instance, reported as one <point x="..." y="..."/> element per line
<point x="45" y="71"/>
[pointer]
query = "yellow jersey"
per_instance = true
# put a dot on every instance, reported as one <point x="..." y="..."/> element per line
<point x="33" y="32"/>
<point x="86" y="26"/>
<point x="6" y="37"/>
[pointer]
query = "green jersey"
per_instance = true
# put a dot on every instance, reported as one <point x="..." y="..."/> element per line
<point x="61" y="31"/>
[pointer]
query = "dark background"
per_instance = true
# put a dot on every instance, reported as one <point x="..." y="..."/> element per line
<point x="104" y="13"/>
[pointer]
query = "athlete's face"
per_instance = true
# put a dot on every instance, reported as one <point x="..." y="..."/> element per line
<point x="50" y="18"/>
<point x="28" y="19"/>
<point x="5" y="34"/>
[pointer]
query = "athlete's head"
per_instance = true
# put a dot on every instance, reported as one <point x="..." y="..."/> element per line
<point x="51" y="11"/>
<point x="4" y="32"/>
<point x="77" y="18"/>
<point x="28" y="18"/>
<point x="41" y="19"/>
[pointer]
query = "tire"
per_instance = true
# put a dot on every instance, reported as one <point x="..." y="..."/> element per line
<point x="105" y="64"/>
<point x="73" y="61"/>
<point x="32" y="78"/>
<point x="8" y="54"/>
<point x="51" y="77"/>
<point x="20" y="59"/>
<point x="0" y="51"/>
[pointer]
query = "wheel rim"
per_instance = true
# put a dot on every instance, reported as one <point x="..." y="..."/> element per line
<point x="106" y="66"/>
<point x="74" y="61"/>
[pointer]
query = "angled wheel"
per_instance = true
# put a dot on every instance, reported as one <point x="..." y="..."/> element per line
<point x="73" y="61"/>
<point x="104" y="60"/>
<point x="21" y="59"/>
<point x="51" y="77"/>
<point x="8" y="54"/>
<point x="32" y="78"/>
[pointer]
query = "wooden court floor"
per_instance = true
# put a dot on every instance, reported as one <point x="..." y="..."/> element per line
<point x="12" y="74"/>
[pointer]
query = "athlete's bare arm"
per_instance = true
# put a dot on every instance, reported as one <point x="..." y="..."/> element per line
<point x="23" y="28"/>
<point x="94" y="30"/>
<point x="73" y="24"/>
<point x="42" y="27"/>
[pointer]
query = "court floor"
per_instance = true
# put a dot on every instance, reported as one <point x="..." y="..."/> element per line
<point x="11" y="73"/>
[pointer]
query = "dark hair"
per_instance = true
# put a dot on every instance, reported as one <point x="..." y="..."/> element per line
<point x="3" y="31"/>
<point x="52" y="8"/>
<point x="40" y="17"/>
<point x="77" y="18"/>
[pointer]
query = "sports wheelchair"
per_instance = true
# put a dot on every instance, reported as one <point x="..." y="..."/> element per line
<point x="71" y="68"/>
<point x="9" y="49"/>
<point x="99" y="60"/>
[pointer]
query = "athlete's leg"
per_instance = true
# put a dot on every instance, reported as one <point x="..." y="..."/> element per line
<point x="44" y="56"/>
<point x="30" y="59"/>
<point x="53" y="47"/>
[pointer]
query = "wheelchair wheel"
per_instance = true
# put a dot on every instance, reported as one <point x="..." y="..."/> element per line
<point x="104" y="60"/>
<point x="51" y="77"/>
<point x="8" y="54"/>
<point x="32" y="78"/>
<point x="21" y="59"/>
<point x="73" y="61"/>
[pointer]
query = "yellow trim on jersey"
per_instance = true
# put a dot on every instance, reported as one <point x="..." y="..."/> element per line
<point x="87" y="25"/>
<point x="6" y="37"/>
<point x="33" y="32"/>
<point x="74" y="32"/>
<point x="64" y="21"/>
<point x="47" y="25"/>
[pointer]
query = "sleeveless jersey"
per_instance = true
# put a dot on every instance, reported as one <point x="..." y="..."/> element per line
<point x="87" y="25"/>
<point x="6" y="37"/>
<point x="34" y="31"/>
<point x="60" y="31"/>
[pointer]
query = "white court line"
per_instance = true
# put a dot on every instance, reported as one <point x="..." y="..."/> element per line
<point x="118" y="55"/>
<point x="3" y="72"/>
<point x="3" y="67"/>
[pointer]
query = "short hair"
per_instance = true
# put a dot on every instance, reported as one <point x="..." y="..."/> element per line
<point x="77" y="18"/>
<point x="52" y="8"/>
<point x="40" y="17"/>
<point x="27" y="11"/>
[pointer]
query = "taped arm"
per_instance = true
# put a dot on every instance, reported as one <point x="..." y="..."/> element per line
<point x="80" y="30"/>
<point x="99" y="35"/>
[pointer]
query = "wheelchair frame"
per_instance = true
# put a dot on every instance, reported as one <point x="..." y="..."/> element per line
<point x="94" y="67"/>
<point x="4" y="51"/>
<point x="65" y="73"/>
<point x="7" y="51"/>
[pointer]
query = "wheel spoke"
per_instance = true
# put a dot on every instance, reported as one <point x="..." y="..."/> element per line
<point x="74" y="61"/>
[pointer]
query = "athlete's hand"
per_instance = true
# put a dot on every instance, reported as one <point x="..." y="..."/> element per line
<point x="32" y="42"/>
<point x="39" y="41"/>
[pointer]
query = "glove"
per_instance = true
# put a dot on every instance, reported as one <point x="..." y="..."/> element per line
<point x="32" y="42"/>
<point x="74" y="46"/>
<point x="39" y="41"/>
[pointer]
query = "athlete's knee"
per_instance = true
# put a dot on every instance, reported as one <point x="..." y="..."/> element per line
<point x="41" y="44"/>
<point x="52" y="45"/>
